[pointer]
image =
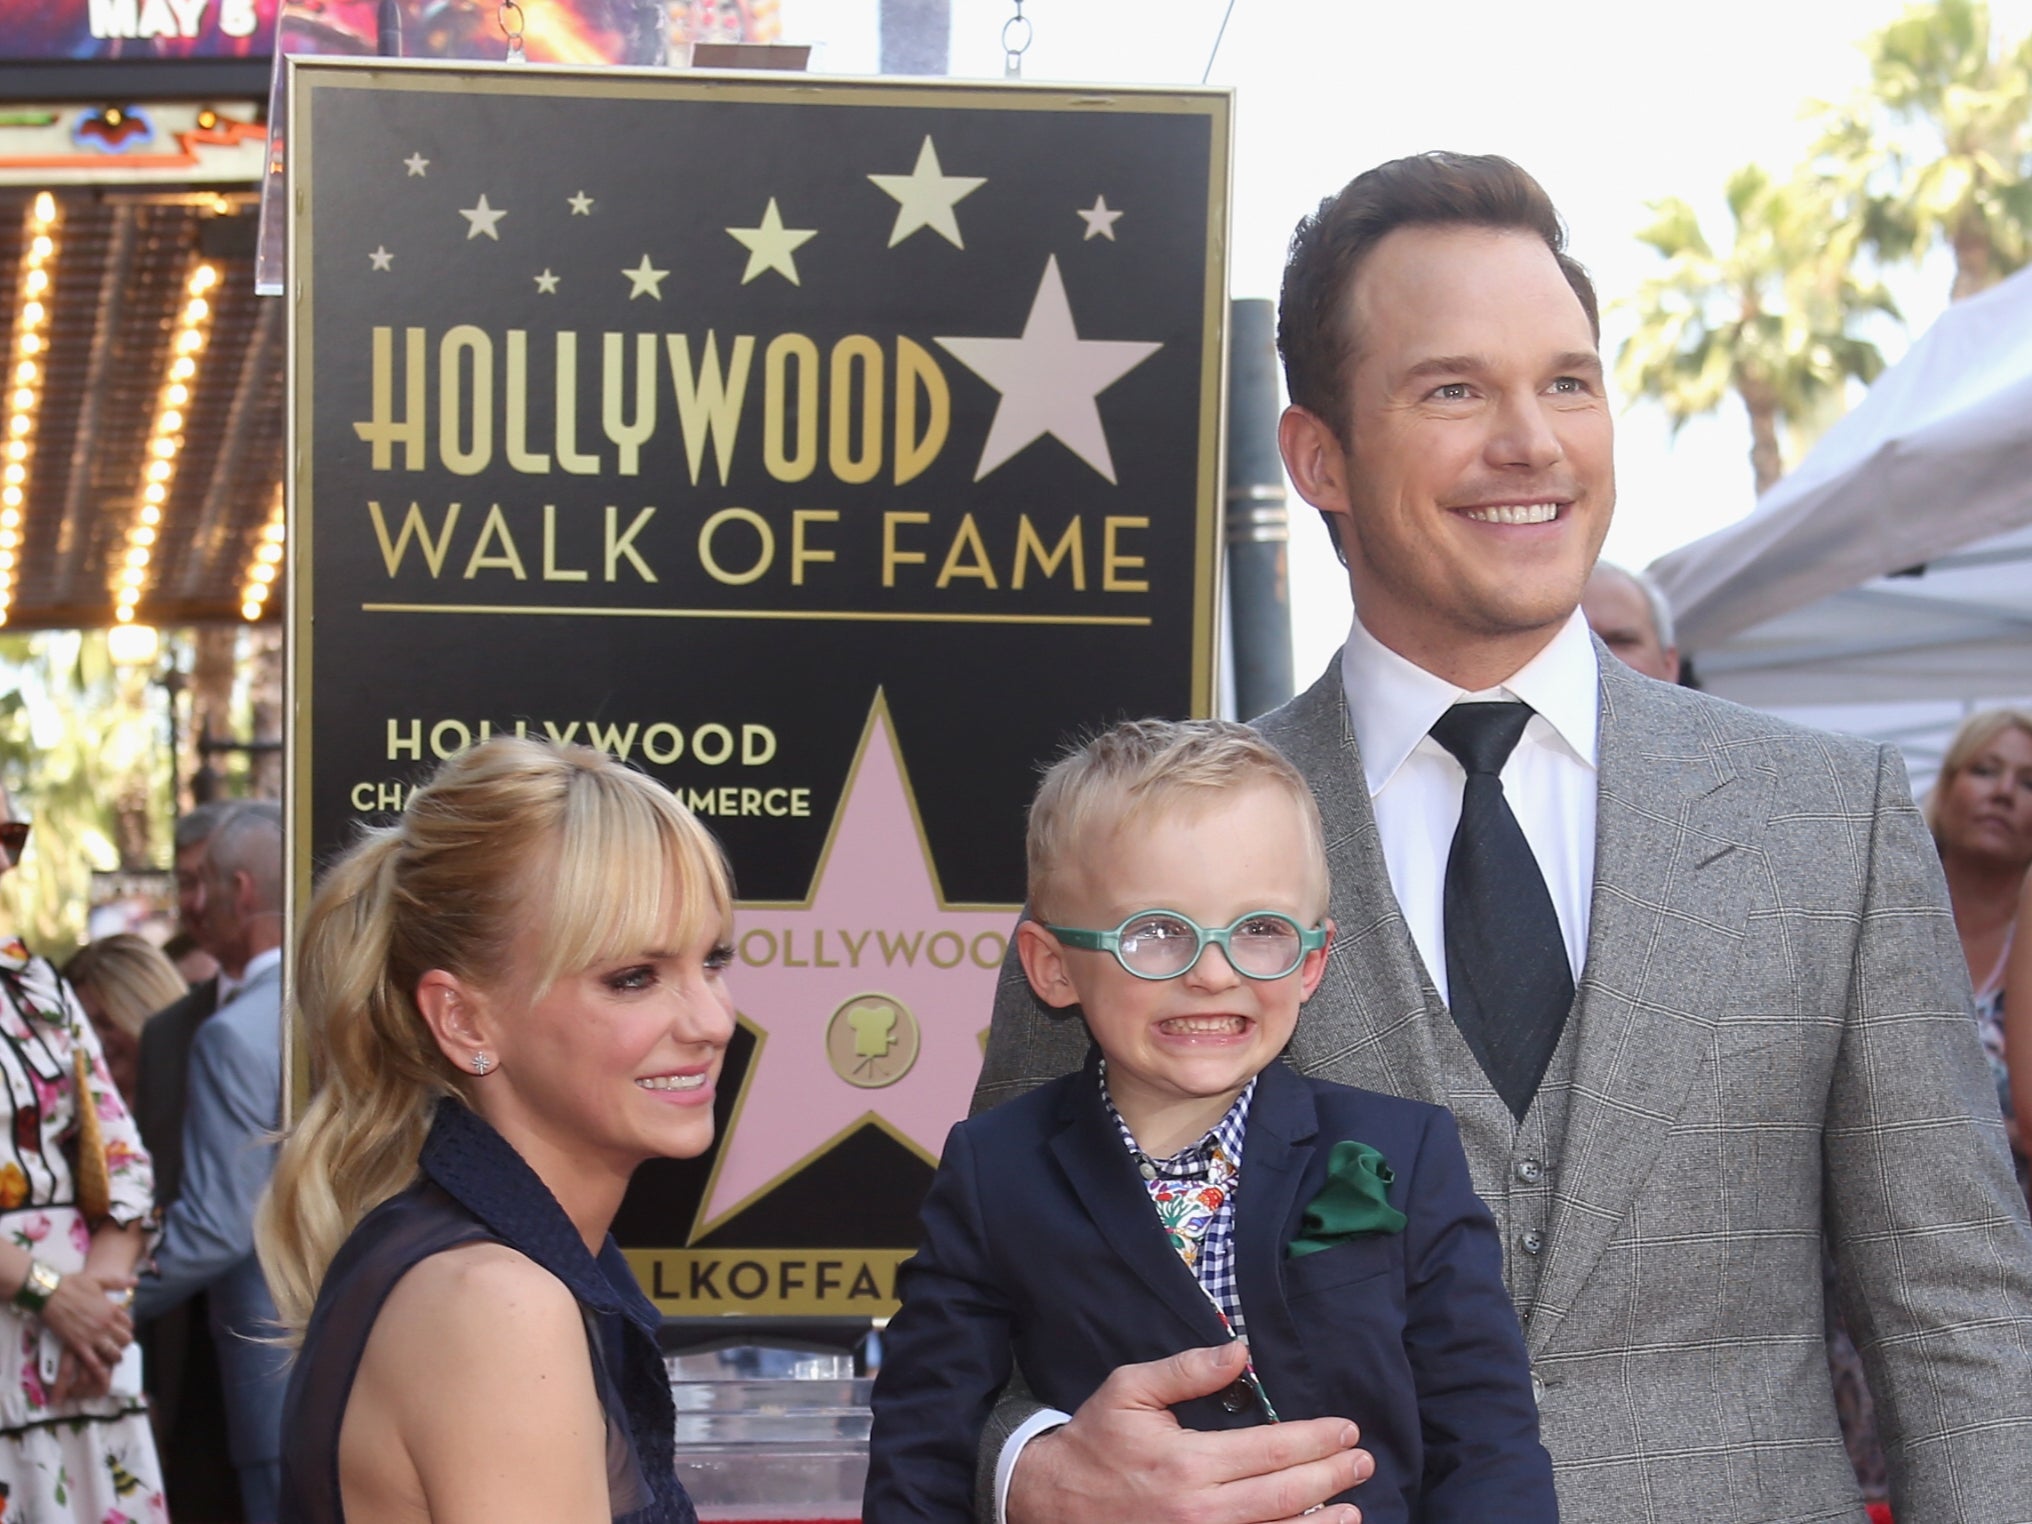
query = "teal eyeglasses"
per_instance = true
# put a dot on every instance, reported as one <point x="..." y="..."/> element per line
<point x="1163" y="944"/>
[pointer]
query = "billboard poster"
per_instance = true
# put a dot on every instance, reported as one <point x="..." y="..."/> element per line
<point x="831" y="450"/>
<point x="81" y="31"/>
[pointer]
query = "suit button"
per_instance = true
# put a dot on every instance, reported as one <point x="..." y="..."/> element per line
<point x="1532" y="1242"/>
<point x="1238" y="1398"/>
<point x="1530" y="1171"/>
<point x="1537" y="1388"/>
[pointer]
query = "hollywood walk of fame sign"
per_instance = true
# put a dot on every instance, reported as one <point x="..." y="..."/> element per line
<point x="830" y="449"/>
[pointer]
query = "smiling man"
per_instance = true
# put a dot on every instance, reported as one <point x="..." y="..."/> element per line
<point x="1685" y="974"/>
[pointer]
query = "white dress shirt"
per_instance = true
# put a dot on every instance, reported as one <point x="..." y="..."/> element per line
<point x="1415" y="787"/>
<point x="257" y="965"/>
<point x="1415" y="784"/>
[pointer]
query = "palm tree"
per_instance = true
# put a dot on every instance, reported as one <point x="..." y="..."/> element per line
<point x="1771" y="319"/>
<point x="81" y="753"/>
<point x="1938" y="147"/>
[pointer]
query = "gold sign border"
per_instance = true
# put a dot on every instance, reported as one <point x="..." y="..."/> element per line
<point x="307" y="77"/>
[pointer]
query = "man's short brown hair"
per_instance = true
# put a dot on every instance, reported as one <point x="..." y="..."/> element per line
<point x="1426" y="190"/>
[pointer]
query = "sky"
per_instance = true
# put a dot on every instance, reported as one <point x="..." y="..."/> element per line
<point x="1609" y="103"/>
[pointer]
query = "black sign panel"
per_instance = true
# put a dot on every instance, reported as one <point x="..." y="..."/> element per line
<point x="831" y="450"/>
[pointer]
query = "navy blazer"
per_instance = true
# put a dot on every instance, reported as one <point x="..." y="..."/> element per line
<point x="1041" y="1248"/>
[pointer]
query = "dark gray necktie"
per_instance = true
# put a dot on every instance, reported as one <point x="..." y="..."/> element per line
<point x="1507" y="977"/>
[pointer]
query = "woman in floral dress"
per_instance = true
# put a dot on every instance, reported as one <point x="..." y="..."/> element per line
<point x="70" y="1449"/>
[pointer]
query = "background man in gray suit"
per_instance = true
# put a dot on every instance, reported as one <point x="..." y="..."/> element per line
<point x="1685" y="974"/>
<point x="234" y="1107"/>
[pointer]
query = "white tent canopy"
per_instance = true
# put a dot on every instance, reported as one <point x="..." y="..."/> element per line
<point x="1894" y="566"/>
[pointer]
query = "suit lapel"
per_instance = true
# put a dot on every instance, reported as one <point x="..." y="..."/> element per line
<point x="1675" y="838"/>
<point x="1097" y="1166"/>
<point x="1374" y="973"/>
<point x="1283" y="1124"/>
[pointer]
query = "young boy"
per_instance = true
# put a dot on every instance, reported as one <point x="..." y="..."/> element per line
<point x="1186" y="1187"/>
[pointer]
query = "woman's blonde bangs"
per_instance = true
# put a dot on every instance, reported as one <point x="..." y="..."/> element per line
<point x="674" y="891"/>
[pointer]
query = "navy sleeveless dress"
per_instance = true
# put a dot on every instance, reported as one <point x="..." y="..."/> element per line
<point x="475" y="1188"/>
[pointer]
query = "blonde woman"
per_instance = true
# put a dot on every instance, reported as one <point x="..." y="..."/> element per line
<point x="2018" y="1041"/>
<point x="121" y="981"/>
<point x="514" y="997"/>
<point x="1980" y="809"/>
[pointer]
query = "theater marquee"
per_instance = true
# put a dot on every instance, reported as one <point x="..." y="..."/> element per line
<point x="830" y="449"/>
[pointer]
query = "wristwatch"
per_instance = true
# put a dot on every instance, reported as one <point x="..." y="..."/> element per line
<point x="38" y="1287"/>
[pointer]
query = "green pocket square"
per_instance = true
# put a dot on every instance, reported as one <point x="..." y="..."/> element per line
<point x="1355" y="1200"/>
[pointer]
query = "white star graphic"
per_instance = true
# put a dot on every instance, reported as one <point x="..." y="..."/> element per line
<point x="581" y="204"/>
<point x="1099" y="219"/>
<point x="645" y="280"/>
<point x="771" y="245"/>
<point x="1049" y="379"/>
<point x="418" y="164"/>
<point x="381" y="259"/>
<point x="546" y="283"/>
<point x="482" y="219"/>
<point x="926" y="196"/>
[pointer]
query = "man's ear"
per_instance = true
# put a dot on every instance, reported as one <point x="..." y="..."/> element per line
<point x="1044" y="963"/>
<point x="457" y="1016"/>
<point x="1313" y="969"/>
<point x="1313" y="455"/>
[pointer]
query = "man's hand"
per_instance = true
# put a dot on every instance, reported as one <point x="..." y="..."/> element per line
<point x="1123" y="1459"/>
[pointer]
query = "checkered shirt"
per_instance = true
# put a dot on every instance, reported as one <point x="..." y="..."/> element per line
<point x="1207" y="1246"/>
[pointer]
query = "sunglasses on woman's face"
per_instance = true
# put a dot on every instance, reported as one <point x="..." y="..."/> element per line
<point x="13" y="837"/>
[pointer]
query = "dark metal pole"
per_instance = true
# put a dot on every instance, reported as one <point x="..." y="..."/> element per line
<point x="916" y="36"/>
<point x="1259" y="523"/>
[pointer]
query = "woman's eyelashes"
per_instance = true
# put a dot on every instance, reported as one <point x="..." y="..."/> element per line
<point x="637" y="976"/>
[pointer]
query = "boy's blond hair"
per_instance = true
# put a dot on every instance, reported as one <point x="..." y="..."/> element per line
<point x="1141" y="768"/>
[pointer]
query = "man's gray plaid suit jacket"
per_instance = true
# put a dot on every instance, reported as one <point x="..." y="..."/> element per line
<point x="1771" y="1035"/>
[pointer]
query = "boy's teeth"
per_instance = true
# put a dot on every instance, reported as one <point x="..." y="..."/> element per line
<point x="1186" y="1026"/>
<point x="1520" y="513"/>
<point x="673" y="1082"/>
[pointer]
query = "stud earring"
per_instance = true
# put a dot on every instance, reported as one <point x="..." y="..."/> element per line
<point x="482" y="1063"/>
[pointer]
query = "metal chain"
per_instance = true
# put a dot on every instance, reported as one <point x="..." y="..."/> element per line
<point x="511" y="28"/>
<point x="1016" y="35"/>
